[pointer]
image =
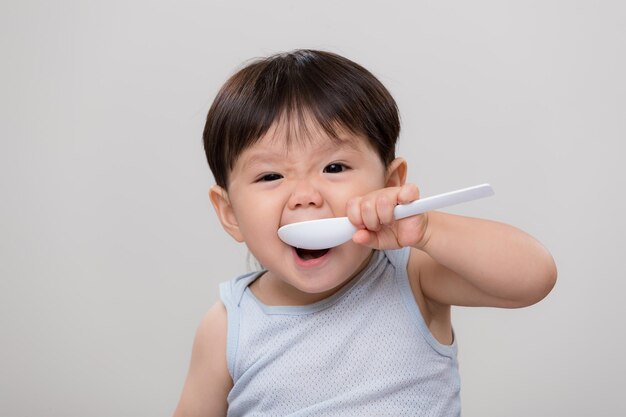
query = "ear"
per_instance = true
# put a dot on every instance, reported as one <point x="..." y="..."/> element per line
<point x="396" y="173"/>
<point x="224" y="210"/>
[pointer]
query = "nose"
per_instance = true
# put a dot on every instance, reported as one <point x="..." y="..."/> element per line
<point x="305" y="195"/>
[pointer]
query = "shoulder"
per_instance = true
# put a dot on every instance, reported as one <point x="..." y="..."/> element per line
<point x="419" y="266"/>
<point x="210" y="339"/>
<point x="437" y="315"/>
<point x="208" y="380"/>
<point x="213" y="324"/>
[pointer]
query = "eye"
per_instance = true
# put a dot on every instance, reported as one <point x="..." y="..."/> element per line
<point x="335" y="168"/>
<point x="272" y="176"/>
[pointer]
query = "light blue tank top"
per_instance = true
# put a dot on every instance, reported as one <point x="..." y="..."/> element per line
<point x="364" y="351"/>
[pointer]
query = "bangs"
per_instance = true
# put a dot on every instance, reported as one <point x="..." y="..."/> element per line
<point x="298" y="90"/>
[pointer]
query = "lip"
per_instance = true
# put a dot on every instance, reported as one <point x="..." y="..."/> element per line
<point x="311" y="263"/>
<point x="304" y="219"/>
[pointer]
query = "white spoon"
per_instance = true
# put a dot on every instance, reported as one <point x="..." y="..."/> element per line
<point x="331" y="232"/>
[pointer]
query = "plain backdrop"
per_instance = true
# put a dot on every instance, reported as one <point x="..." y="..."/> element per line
<point x="110" y="252"/>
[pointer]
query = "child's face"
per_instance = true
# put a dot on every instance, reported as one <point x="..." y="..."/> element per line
<point x="273" y="184"/>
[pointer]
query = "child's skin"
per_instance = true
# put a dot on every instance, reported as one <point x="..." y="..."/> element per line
<point x="454" y="260"/>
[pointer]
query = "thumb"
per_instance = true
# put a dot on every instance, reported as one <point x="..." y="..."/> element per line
<point x="365" y="237"/>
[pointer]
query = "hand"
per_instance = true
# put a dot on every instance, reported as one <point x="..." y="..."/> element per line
<point x="372" y="214"/>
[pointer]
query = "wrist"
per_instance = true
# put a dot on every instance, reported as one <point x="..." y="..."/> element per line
<point x="427" y="231"/>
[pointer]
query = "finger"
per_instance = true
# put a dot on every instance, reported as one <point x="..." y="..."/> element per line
<point x="369" y="214"/>
<point x="353" y="211"/>
<point x="408" y="193"/>
<point x="384" y="209"/>
<point x="365" y="237"/>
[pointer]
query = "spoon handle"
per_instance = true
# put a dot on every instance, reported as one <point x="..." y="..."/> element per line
<point x="442" y="200"/>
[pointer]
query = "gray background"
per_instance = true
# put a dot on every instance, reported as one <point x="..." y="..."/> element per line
<point x="110" y="252"/>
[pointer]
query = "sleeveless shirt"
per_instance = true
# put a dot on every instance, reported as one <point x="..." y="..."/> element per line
<point x="364" y="351"/>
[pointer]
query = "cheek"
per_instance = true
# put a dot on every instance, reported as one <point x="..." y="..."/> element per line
<point x="257" y="218"/>
<point x="340" y="196"/>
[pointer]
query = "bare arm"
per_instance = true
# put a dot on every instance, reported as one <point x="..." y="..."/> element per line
<point x="474" y="262"/>
<point x="208" y="381"/>
<point x="456" y="260"/>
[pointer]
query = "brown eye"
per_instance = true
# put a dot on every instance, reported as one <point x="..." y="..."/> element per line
<point x="269" y="177"/>
<point x="335" y="168"/>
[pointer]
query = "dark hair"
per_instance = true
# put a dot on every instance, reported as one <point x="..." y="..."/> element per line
<point x="335" y="91"/>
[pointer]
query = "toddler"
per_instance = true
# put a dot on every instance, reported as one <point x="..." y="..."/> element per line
<point x="363" y="328"/>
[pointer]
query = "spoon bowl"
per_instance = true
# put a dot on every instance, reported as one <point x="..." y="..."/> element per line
<point x="331" y="232"/>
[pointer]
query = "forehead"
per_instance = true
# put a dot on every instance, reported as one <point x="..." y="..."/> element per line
<point x="283" y="139"/>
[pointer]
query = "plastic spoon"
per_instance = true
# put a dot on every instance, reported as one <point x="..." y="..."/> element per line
<point x="331" y="232"/>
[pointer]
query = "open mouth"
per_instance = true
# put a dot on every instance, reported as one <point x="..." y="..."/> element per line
<point x="308" y="254"/>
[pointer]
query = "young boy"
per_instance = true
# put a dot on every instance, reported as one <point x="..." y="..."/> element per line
<point x="363" y="328"/>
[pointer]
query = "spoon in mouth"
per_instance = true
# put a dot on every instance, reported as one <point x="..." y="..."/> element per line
<point x="331" y="232"/>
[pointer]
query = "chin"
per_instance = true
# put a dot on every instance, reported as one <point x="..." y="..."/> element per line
<point x="319" y="289"/>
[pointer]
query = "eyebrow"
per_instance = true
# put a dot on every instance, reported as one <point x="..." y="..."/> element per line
<point x="261" y="156"/>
